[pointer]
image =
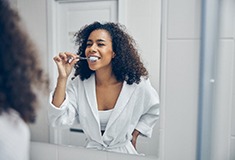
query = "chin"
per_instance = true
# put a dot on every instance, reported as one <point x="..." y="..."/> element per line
<point x="93" y="68"/>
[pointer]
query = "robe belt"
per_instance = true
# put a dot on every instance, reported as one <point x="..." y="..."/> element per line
<point x="103" y="146"/>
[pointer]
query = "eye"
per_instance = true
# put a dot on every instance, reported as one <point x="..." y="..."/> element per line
<point x="101" y="44"/>
<point x="89" y="44"/>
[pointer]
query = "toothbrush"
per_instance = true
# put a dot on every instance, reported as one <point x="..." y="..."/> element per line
<point x="92" y="59"/>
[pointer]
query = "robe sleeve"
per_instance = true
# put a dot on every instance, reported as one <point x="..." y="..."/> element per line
<point x="151" y="111"/>
<point x="68" y="111"/>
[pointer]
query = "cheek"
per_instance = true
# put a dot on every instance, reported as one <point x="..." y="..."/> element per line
<point x="109" y="57"/>
<point x="109" y="53"/>
<point x="86" y="52"/>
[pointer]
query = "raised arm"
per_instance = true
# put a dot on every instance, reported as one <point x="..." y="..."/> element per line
<point x="64" y="70"/>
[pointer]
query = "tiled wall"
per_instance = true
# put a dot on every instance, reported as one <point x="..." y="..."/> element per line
<point x="143" y="21"/>
<point x="179" y="82"/>
<point x="179" y="79"/>
<point x="224" y="109"/>
<point x="229" y="25"/>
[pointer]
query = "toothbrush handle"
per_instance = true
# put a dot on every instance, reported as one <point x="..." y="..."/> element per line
<point x="82" y="58"/>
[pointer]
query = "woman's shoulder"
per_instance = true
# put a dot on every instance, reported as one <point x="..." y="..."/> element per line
<point x="146" y="87"/>
<point x="12" y="121"/>
<point x="14" y="134"/>
<point x="144" y="82"/>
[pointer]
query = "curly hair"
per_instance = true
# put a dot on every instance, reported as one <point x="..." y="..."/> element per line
<point x="127" y="65"/>
<point x="19" y="68"/>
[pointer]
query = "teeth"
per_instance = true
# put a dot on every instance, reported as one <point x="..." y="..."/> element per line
<point x="93" y="59"/>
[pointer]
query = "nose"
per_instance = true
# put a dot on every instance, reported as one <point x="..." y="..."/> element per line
<point x="93" y="48"/>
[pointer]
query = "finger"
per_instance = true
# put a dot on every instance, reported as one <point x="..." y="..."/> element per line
<point x="63" y="56"/>
<point x="68" y="56"/>
<point x="74" y="61"/>
<point x="57" y="59"/>
<point x="72" y="58"/>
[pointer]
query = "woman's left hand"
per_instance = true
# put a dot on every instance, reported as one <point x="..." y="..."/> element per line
<point x="135" y="135"/>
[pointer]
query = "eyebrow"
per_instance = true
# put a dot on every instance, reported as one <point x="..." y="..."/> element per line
<point x="98" y="40"/>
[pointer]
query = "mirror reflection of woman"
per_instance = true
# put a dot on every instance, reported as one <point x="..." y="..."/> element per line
<point x="110" y="95"/>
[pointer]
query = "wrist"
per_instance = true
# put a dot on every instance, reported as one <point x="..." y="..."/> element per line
<point x="62" y="78"/>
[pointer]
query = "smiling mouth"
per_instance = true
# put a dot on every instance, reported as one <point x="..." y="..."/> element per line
<point x="93" y="58"/>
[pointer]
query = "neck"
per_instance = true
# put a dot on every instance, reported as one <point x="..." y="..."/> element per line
<point x="105" y="78"/>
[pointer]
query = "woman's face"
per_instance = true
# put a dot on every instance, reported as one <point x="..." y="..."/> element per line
<point x="99" y="44"/>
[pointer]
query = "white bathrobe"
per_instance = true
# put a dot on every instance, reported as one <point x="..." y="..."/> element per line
<point x="137" y="107"/>
<point x="14" y="136"/>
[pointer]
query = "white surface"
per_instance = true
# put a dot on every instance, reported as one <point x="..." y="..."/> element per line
<point x="46" y="151"/>
<point x="14" y="136"/>
<point x="184" y="18"/>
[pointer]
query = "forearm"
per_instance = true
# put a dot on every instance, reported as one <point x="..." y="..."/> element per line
<point x="59" y="93"/>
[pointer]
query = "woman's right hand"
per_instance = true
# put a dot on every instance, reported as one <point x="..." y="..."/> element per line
<point x="64" y="67"/>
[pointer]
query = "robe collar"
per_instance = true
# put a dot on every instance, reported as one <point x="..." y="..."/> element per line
<point x="124" y="96"/>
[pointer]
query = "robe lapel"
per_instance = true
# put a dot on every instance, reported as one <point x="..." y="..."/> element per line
<point x="125" y="95"/>
<point x="89" y="87"/>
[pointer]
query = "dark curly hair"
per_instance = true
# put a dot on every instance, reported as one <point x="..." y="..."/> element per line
<point x="19" y="68"/>
<point x="127" y="65"/>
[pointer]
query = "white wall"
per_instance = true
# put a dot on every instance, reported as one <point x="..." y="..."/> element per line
<point x="179" y="79"/>
<point x="179" y="82"/>
<point x="34" y="16"/>
<point x="143" y="20"/>
<point x="223" y="128"/>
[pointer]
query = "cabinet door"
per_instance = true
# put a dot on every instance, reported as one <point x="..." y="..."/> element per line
<point x="71" y="16"/>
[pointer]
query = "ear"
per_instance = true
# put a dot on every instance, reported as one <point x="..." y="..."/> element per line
<point x="114" y="54"/>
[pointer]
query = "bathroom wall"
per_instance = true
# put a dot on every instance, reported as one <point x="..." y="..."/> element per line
<point x="179" y="79"/>
<point x="34" y="15"/>
<point x="143" y="22"/>
<point x="223" y="128"/>
<point x="179" y="82"/>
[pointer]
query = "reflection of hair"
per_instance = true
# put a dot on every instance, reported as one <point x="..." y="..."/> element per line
<point x="19" y="68"/>
<point x="126" y="63"/>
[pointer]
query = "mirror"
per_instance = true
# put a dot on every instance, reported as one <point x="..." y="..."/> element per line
<point x="42" y="27"/>
<point x="180" y="62"/>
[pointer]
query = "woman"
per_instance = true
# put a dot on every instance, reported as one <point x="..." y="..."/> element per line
<point x="112" y="98"/>
<point x="19" y="74"/>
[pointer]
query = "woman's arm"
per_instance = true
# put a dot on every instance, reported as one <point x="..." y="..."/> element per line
<point x="135" y="135"/>
<point x="64" y="69"/>
<point x="59" y="93"/>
